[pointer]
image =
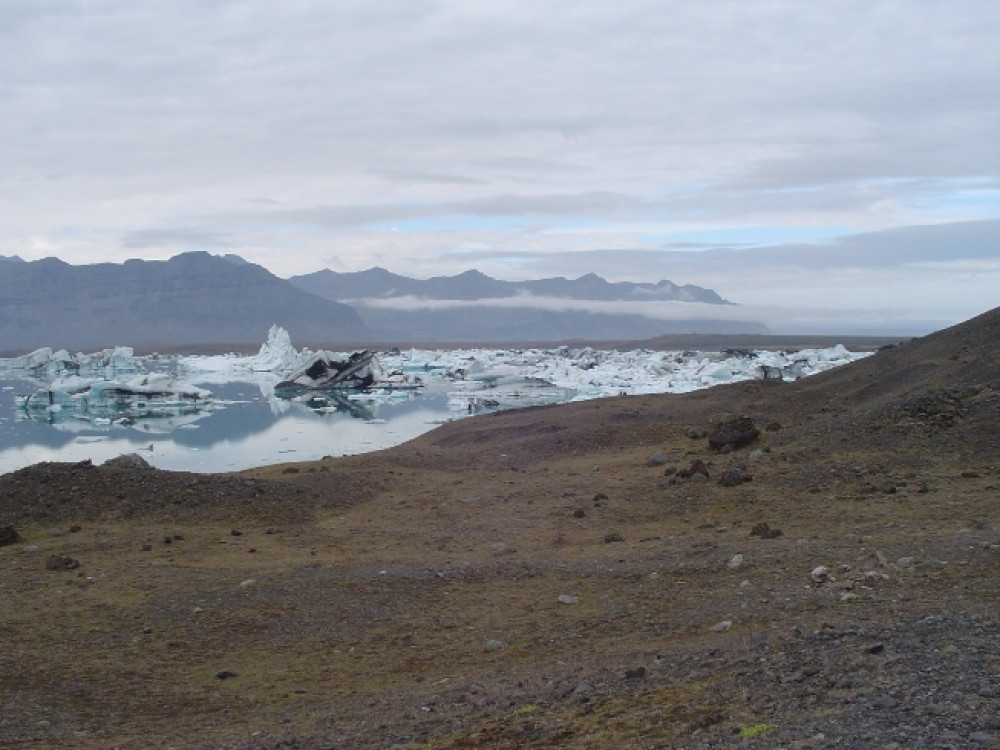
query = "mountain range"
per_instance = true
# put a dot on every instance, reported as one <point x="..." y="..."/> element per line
<point x="378" y="283"/>
<point x="475" y="307"/>
<point x="203" y="299"/>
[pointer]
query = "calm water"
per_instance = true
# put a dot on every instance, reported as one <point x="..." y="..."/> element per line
<point x="248" y="428"/>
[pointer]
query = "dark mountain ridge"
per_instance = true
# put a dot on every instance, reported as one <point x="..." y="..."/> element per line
<point x="533" y="318"/>
<point x="193" y="298"/>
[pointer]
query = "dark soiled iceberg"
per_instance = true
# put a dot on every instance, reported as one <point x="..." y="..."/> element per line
<point x="358" y="371"/>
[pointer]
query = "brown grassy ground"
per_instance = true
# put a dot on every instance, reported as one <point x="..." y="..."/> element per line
<point x="411" y="597"/>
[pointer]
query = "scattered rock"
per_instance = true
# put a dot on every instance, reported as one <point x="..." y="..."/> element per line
<point x="225" y="674"/>
<point x="635" y="674"/>
<point x="582" y="691"/>
<point x="696" y="472"/>
<point x="657" y="459"/>
<point x="735" y="561"/>
<point x="579" y="513"/>
<point x="696" y="432"/>
<point x="567" y="599"/>
<point x="613" y="537"/>
<point x="8" y="535"/>
<point x="734" y="477"/>
<point x="722" y="626"/>
<point x="764" y="531"/>
<point x="61" y="562"/>
<point x="600" y="500"/>
<point x="820" y="574"/>
<point x="735" y="433"/>
<point x="236" y="532"/>
<point x="494" y="645"/>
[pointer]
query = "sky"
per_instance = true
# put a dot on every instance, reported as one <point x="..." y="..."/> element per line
<point x="830" y="166"/>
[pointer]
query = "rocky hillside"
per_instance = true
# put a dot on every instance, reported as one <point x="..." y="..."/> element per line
<point x="824" y="573"/>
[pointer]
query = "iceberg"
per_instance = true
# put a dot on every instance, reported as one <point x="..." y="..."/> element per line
<point x="358" y="371"/>
<point x="46" y="363"/>
<point x="325" y="370"/>
<point x="102" y="402"/>
<point x="277" y="353"/>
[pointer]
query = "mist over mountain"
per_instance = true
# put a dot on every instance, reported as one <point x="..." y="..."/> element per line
<point x="378" y="283"/>
<point x="193" y="298"/>
<point x="472" y="306"/>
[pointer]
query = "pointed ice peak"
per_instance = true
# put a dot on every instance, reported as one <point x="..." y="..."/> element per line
<point x="277" y="353"/>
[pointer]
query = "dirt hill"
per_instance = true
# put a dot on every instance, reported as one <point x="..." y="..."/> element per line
<point x="592" y="575"/>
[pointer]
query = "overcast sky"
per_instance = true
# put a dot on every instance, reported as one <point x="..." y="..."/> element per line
<point x="827" y="164"/>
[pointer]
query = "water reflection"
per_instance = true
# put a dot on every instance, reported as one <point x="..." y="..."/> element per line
<point x="247" y="425"/>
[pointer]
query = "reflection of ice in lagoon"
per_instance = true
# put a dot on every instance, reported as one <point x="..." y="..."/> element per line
<point x="249" y="427"/>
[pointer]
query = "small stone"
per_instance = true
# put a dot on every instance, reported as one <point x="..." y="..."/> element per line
<point x="567" y="599"/>
<point x="905" y="562"/>
<point x="579" y="513"/>
<point x="733" y="477"/>
<point x="722" y="626"/>
<point x="582" y="690"/>
<point x="884" y="701"/>
<point x="635" y="674"/>
<point x="820" y="574"/>
<point x="236" y="532"/>
<point x="247" y="583"/>
<point x="764" y="531"/>
<point x="8" y="535"/>
<point x="696" y="432"/>
<point x="61" y="562"/>
<point x="613" y="537"/>
<point x="494" y="645"/>
<point x="225" y="674"/>
<point x="875" y="648"/>
<point x="735" y="561"/>
<point x="657" y="459"/>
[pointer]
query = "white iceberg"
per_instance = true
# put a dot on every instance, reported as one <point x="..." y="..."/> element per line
<point x="101" y="401"/>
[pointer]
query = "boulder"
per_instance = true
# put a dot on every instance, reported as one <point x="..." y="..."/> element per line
<point x="735" y="433"/>
<point x="131" y="461"/>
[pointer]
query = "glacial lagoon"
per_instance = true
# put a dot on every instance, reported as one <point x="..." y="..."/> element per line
<point x="245" y="424"/>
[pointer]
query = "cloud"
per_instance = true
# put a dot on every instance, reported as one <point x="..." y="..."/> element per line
<point x="345" y="133"/>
